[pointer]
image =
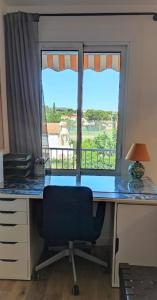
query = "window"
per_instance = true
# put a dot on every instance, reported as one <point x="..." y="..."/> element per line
<point x="82" y="89"/>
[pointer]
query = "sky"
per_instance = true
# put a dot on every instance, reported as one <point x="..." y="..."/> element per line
<point x="100" y="89"/>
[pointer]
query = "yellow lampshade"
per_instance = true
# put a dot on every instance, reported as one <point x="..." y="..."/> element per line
<point x="138" y="152"/>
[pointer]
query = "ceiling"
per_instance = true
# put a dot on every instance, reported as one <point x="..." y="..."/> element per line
<point x="80" y="2"/>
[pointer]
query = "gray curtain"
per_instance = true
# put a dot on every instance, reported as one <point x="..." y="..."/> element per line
<point x="23" y="83"/>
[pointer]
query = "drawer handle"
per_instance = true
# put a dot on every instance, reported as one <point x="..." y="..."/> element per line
<point x="11" y="225"/>
<point x="8" y="260"/>
<point x="8" y="200"/>
<point x="7" y="212"/>
<point x="10" y="243"/>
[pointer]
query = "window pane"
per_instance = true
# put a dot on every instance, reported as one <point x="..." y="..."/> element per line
<point x="60" y="81"/>
<point x="100" y="110"/>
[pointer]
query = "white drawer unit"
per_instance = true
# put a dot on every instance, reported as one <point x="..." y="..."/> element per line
<point x="13" y="251"/>
<point x="13" y="204"/>
<point x="13" y="233"/>
<point x="13" y="269"/>
<point x="14" y="239"/>
<point x="13" y="217"/>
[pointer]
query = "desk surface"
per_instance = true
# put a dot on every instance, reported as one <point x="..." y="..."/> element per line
<point x="111" y="188"/>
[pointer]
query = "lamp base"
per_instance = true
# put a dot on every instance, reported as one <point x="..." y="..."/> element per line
<point x="136" y="185"/>
<point x="136" y="170"/>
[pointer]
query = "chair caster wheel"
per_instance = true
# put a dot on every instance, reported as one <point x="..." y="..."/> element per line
<point x="75" y="290"/>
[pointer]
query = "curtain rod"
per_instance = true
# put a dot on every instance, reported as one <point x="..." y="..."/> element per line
<point x="153" y="14"/>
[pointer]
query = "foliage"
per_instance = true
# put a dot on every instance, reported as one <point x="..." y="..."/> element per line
<point x="52" y="115"/>
<point x="98" y="159"/>
<point x="88" y="144"/>
<point x="100" y="115"/>
<point x="67" y="111"/>
<point x="96" y="138"/>
<point x="105" y="140"/>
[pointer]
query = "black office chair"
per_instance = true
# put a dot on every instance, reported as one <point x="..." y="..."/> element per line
<point x="67" y="215"/>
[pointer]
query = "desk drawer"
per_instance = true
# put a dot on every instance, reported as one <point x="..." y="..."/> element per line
<point x="13" y="204"/>
<point x="13" y="217"/>
<point x="13" y="233"/>
<point x="13" y="269"/>
<point x="13" y="251"/>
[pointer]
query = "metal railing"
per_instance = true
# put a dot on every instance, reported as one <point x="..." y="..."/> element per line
<point x="65" y="158"/>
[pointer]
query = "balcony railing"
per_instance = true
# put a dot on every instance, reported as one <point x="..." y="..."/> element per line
<point x="65" y="158"/>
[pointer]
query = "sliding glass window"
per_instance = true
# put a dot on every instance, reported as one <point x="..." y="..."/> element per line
<point x="83" y="94"/>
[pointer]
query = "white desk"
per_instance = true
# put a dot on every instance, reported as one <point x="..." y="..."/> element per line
<point x="135" y="222"/>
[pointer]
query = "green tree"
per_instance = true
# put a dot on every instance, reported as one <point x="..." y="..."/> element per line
<point x="54" y="107"/>
<point x="88" y="144"/>
<point x="106" y="140"/>
<point x="98" y="115"/>
<point x="70" y="112"/>
<point x="52" y="115"/>
<point x="56" y="117"/>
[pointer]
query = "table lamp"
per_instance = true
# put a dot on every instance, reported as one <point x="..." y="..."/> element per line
<point x="137" y="152"/>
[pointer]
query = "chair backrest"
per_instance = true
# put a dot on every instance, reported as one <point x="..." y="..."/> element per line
<point x="67" y="213"/>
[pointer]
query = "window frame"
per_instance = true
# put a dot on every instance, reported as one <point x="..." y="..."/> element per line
<point x="81" y="48"/>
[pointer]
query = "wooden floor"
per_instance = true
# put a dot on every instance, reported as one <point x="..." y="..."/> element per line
<point x="57" y="281"/>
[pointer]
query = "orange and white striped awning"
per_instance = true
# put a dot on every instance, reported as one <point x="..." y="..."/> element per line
<point x="95" y="62"/>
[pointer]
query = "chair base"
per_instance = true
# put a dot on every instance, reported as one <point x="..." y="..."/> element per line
<point x="71" y="252"/>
